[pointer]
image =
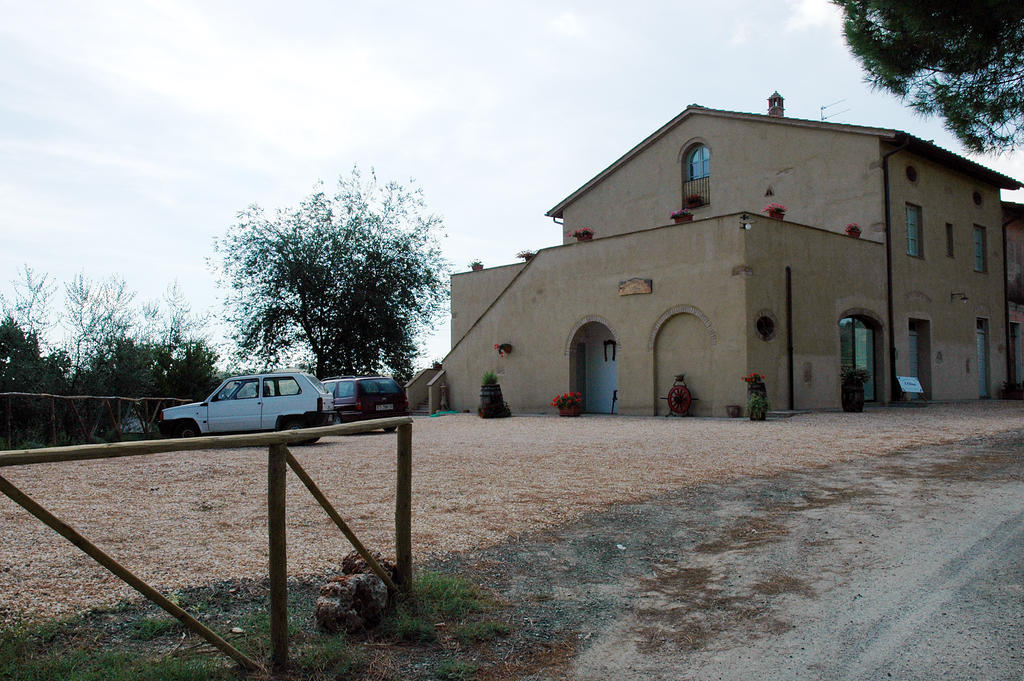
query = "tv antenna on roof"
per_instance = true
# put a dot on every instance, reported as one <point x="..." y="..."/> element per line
<point x="829" y="106"/>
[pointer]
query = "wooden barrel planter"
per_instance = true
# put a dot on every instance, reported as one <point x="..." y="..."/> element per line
<point x="492" y="403"/>
<point x="757" y="387"/>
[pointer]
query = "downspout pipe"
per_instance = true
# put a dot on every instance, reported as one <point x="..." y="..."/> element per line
<point x="894" y="392"/>
<point x="789" y="333"/>
<point x="1011" y="373"/>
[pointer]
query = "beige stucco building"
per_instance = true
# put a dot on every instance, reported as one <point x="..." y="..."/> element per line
<point x="920" y="293"/>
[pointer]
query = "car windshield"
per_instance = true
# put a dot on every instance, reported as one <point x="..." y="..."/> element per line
<point x="379" y="386"/>
<point x="316" y="383"/>
<point x="343" y="388"/>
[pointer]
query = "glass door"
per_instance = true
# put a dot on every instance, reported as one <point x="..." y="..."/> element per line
<point x="857" y="349"/>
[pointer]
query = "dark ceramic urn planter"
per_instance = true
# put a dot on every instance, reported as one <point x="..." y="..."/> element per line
<point x="853" y="398"/>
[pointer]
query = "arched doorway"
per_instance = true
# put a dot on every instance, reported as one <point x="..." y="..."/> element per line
<point x="682" y="343"/>
<point x="593" y="367"/>
<point x="859" y="346"/>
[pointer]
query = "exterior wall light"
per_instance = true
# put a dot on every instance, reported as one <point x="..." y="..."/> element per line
<point x="746" y="221"/>
<point x="958" y="295"/>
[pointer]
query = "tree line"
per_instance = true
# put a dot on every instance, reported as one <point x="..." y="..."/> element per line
<point x="344" y="283"/>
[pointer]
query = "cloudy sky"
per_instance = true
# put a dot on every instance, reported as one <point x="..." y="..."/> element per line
<point x="131" y="132"/>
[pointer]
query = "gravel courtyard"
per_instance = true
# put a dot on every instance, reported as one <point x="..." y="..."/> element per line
<point x="180" y="520"/>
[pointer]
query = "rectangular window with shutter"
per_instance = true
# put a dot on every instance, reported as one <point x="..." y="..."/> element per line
<point x="914" y="231"/>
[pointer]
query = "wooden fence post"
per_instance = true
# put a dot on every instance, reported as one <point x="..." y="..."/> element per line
<point x="276" y="485"/>
<point x="403" y="508"/>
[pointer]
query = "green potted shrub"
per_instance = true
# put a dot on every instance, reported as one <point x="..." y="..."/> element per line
<point x="757" y="407"/>
<point x="853" y="379"/>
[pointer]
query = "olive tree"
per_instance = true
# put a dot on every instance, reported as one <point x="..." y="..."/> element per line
<point x="342" y="284"/>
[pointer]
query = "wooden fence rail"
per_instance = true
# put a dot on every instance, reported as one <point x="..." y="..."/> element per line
<point x="145" y="409"/>
<point x="279" y="459"/>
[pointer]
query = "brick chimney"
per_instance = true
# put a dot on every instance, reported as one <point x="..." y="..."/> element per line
<point x="775" y="107"/>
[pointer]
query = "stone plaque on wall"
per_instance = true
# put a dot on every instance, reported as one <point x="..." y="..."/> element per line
<point x="632" y="287"/>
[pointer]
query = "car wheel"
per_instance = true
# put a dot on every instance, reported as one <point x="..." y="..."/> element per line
<point x="297" y="424"/>
<point x="189" y="429"/>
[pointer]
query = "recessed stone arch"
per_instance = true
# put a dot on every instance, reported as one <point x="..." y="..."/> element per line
<point x="581" y="323"/>
<point x="690" y="144"/>
<point x="860" y="341"/>
<point x="861" y="312"/>
<point x="680" y="309"/>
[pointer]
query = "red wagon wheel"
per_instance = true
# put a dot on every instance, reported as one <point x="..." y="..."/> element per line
<point x="679" y="399"/>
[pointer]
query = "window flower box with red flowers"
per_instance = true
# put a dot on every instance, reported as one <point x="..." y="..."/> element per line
<point x="680" y="216"/>
<point x="583" y="234"/>
<point x="775" y="210"/>
<point x="853" y="229"/>
<point x="568" y="404"/>
<point x="693" y="201"/>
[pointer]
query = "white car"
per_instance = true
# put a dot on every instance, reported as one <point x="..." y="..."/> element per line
<point x="275" y="401"/>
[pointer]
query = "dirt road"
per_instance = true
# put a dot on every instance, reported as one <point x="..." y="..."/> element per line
<point x="908" y="566"/>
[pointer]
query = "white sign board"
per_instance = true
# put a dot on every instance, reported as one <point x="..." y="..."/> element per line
<point x="910" y="384"/>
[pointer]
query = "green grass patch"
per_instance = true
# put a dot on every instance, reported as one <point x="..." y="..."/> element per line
<point x="456" y="670"/>
<point x="46" y="652"/>
<point x="150" y="628"/>
<point x="445" y="597"/>
<point x="474" y="632"/>
<point x="328" y="657"/>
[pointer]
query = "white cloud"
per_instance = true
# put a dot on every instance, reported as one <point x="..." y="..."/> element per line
<point x="811" y="14"/>
<point x="567" y="24"/>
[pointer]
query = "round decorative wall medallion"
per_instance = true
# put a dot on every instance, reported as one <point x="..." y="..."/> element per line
<point x="912" y="173"/>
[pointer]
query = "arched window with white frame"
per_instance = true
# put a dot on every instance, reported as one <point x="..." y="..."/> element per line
<point x="696" y="176"/>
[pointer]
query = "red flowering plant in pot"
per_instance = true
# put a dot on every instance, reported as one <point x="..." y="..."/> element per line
<point x="693" y="200"/>
<point x="755" y="383"/>
<point x="583" y="234"/>
<point x="681" y="215"/>
<point x="853" y="229"/>
<point x="568" y="404"/>
<point x="503" y="349"/>
<point x="775" y="210"/>
<point x="526" y="255"/>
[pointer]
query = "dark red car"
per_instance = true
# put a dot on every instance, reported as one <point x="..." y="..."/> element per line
<point x="357" y="398"/>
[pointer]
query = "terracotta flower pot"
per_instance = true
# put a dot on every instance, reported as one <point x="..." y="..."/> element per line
<point x="584" y="237"/>
<point x="777" y="214"/>
<point x="569" y="411"/>
<point x="477" y="268"/>
<point x="682" y="218"/>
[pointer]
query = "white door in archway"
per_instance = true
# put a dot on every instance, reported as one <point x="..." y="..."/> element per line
<point x="596" y="367"/>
